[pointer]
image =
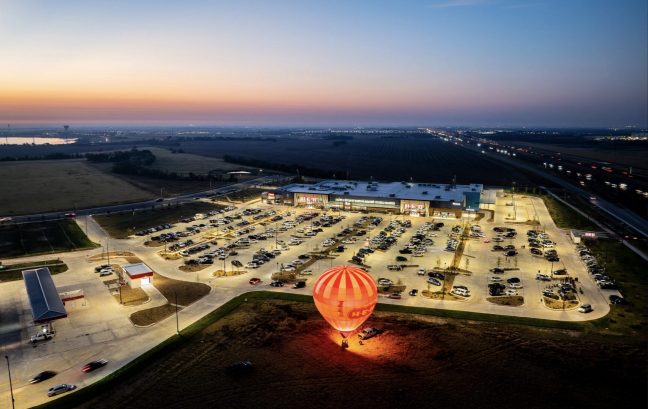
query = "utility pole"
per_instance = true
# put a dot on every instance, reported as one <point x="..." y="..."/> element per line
<point x="108" y="249"/>
<point x="13" y="404"/>
<point x="176" y="313"/>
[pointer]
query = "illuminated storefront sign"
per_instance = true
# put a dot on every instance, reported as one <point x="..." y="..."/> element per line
<point x="365" y="202"/>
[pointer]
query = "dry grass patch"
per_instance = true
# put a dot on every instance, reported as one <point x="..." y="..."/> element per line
<point x="67" y="184"/>
<point x="511" y="301"/>
<point x="150" y="316"/>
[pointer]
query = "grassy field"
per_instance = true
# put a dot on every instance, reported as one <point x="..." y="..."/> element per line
<point x="297" y="358"/>
<point x="394" y="158"/>
<point x="39" y="186"/>
<point x="565" y="217"/>
<point x="13" y="272"/>
<point x="629" y="271"/>
<point x="26" y="239"/>
<point x="184" y="163"/>
<point x="121" y="225"/>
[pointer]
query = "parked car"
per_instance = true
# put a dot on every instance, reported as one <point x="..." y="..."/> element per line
<point x="413" y="292"/>
<point x="617" y="300"/>
<point x="239" y="368"/>
<point x="433" y="281"/>
<point x="497" y="270"/>
<point x="395" y="296"/>
<point x="513" y="280"/>
<point x="385" y="282"/>
<point x="91" y="366"/>
<point x="401" y="258"/>
<point x="255" y="280"/>
<point x="276" y="283"/>
<point x="61" y="388"/>
<point x="299" y="284"/>
<point x="368" y="333"/>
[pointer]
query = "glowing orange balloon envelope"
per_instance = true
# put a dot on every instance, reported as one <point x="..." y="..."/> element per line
<point x="346" y="297"/>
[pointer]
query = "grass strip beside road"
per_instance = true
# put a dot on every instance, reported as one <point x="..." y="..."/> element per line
<point x="13" y="272"/>
<point x="565" y="217"/>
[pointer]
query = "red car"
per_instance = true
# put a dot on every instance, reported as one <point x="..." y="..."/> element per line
<point x="91" y="366"/>
<point x="255" y="281"/>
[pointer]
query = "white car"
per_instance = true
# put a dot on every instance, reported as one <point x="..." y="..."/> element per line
<point x="385" y="281"/>
<point x="515" y="285"/>
<point x="368" y="333"/>
<point x="61" y="388"/>
<point x="289" y="269"/>
<point x="307" y="273"/>
<point x="510" y="291"/>
<point x="421" y="272"/>
<point x="495" y="279"/>
<point x="585" y="308"/>
<point x="251" y="265"/>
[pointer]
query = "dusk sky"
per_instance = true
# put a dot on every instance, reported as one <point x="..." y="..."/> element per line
<point x="434" y="62"/>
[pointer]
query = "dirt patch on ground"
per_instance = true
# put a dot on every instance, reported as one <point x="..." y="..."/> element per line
<point x="559" y="304"/>
<point x="183" y="293"/>
<point x="186" y="292"/>
<point x="511" y="301"/>
<point x="229" y="273"/>
<point x="415" y="362"/>
<point x="145" y="318"/>
<point x="190" y="268"/>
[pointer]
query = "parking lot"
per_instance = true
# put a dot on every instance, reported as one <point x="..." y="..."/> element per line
<point x="478" y="265"/>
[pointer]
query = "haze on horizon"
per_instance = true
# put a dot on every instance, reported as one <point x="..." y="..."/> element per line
<point x="437" y="62"/>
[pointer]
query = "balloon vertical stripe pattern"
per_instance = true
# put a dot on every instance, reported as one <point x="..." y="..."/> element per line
<point x="345" y="296"/>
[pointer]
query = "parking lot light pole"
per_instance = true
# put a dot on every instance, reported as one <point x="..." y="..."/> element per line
<point x="13" y="404"/>
<point x="176" y="313"/>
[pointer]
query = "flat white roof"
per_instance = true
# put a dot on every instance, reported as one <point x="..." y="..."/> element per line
<point x="137" y="270"/>
<point x="397" y="190"/>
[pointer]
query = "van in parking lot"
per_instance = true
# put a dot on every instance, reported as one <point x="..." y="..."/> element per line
<point x="461" y="291"/>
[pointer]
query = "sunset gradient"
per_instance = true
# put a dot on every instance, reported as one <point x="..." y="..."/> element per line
<point x="553" y="63"/>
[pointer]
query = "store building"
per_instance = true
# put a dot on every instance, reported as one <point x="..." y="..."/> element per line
<point x="416" y="199"/>
<point x="138" y="274"/>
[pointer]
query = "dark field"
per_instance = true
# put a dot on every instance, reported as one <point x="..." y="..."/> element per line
<point x="420" y="157"/>
<point x="417" y="362"/>
<point x="44" y="237"/>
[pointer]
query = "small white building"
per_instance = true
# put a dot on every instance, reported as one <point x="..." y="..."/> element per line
<point x="138" y="274"/>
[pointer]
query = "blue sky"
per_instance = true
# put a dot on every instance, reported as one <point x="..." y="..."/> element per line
<point x="436" y="62"/>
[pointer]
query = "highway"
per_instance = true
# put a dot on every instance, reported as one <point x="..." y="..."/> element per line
<point x="627" y="217"/>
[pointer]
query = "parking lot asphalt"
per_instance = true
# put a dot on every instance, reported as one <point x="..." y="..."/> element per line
<point x="99" y="327"/>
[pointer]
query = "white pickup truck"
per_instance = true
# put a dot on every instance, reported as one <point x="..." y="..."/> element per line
<point x="41" y="336"/>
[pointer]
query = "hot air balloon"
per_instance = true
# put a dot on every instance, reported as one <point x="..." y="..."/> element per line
<point x="346" y="297"/>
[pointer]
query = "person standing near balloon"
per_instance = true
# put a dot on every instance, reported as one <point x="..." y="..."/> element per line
<point x="346" y="297"/>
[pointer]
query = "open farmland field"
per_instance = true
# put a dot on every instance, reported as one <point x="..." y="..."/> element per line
<point x="26" y="239"/>
<point x="385" y="158"/>
<point x="185" y="163"/>
<point x="40" y="186"/>
<point x="416" y="362"/>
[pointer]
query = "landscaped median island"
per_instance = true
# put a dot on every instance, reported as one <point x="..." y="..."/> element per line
<point x="178" y="293"/>
<point x="291" y="348"/>
<point x="28" y="239"/>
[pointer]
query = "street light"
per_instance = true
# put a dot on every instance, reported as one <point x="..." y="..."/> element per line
<point x="13" y="404"/>
<point x="176" y="313"/>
